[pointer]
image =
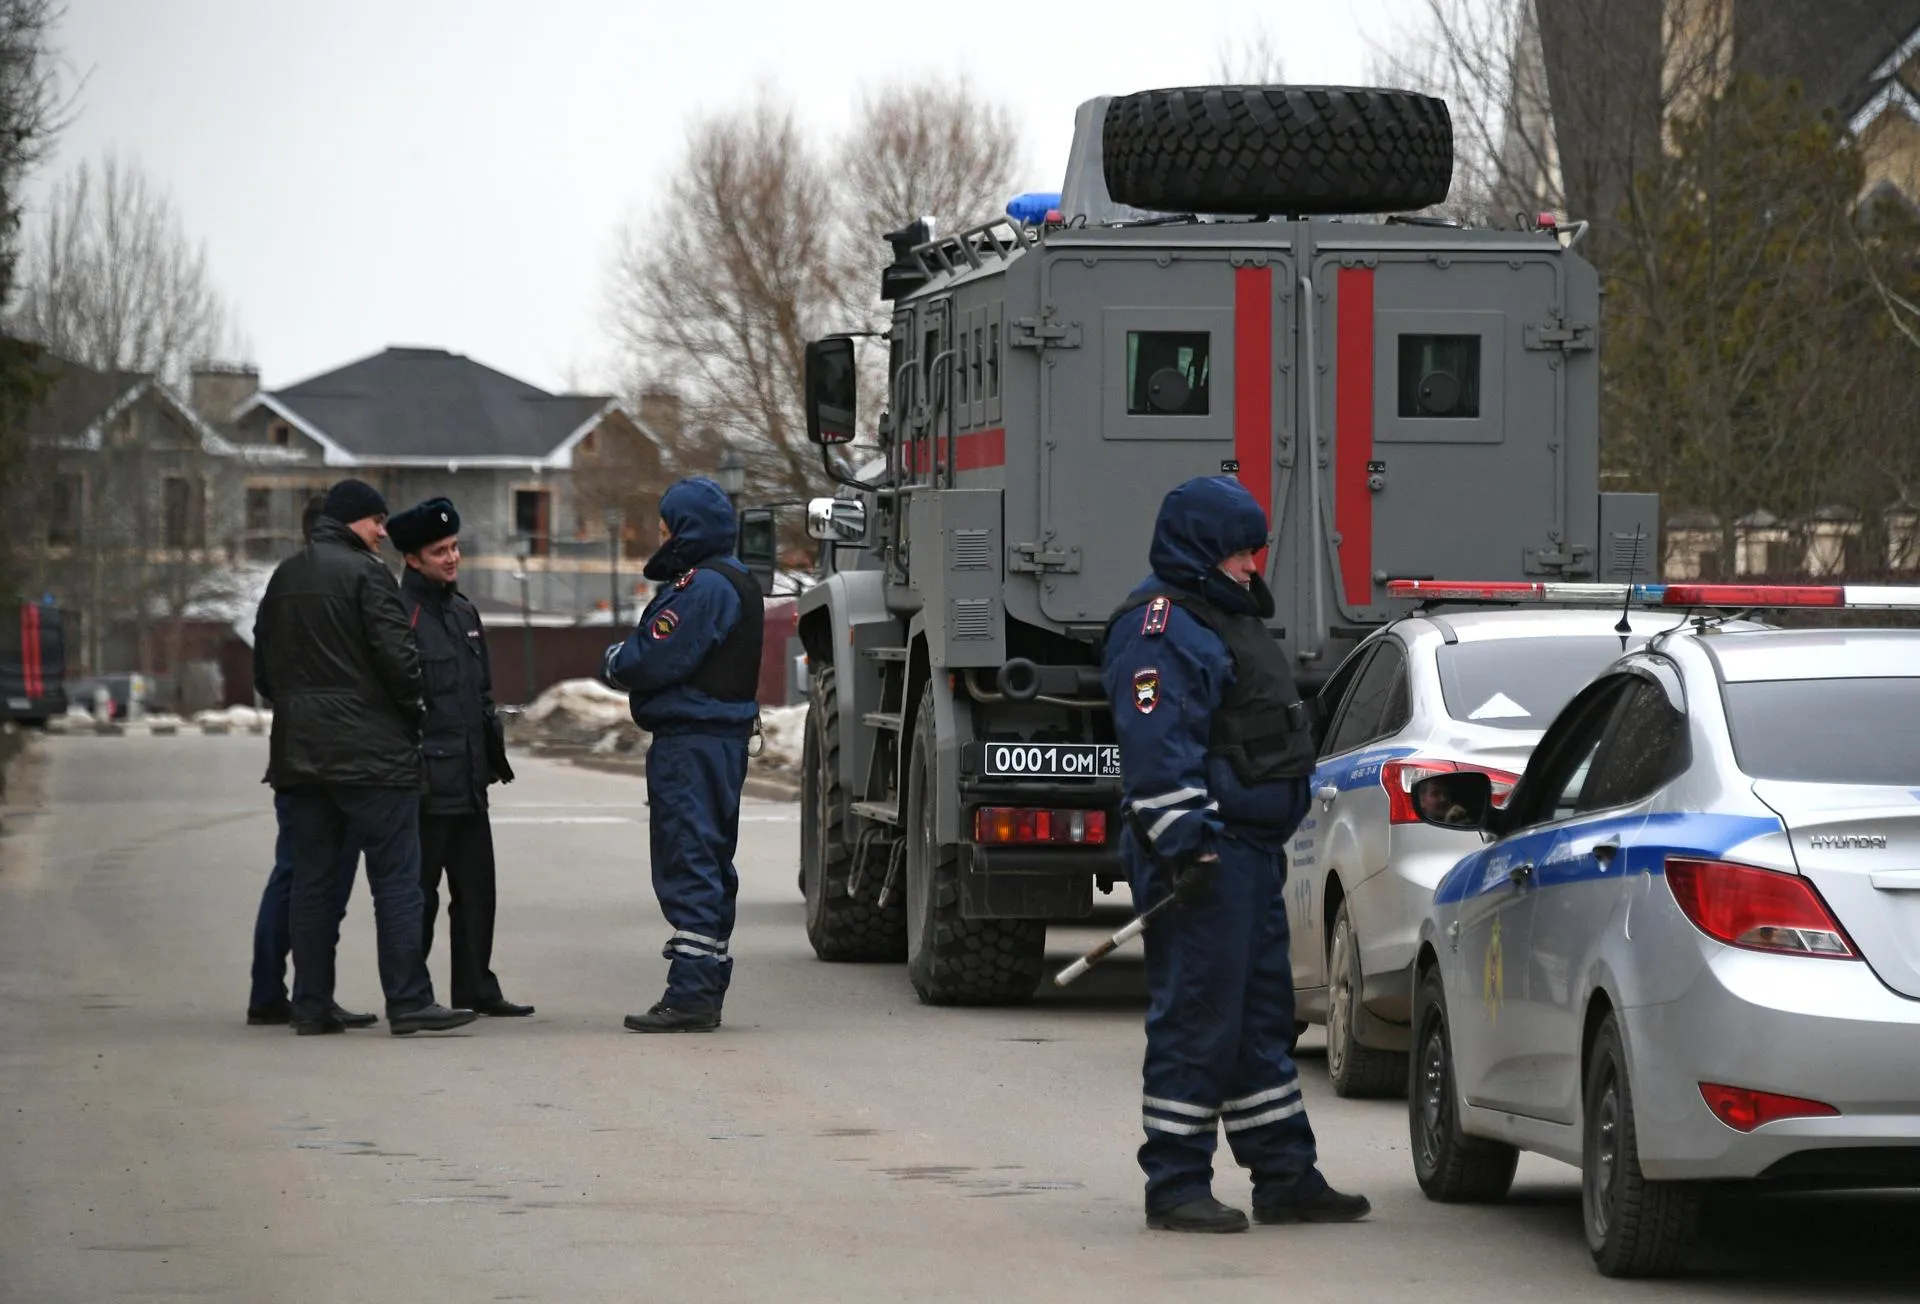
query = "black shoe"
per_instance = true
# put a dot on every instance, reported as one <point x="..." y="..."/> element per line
<point x="317" y="1027"/>
<point x="1203" y="1215"/>
<point x="502" y="1009"/>
<point x="1329" y="1206"/>
<point x="429" y="1018"/>
<point x="664" y="1018"/>
<point x="352" y="1020"/>
<point x="277" y="1015"/>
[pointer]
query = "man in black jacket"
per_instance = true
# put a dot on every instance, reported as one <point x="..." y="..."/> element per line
<point x="333" y="651"/>
<point x="465" y="751"/>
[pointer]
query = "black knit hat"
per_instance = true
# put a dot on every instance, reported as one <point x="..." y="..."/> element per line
<point x="427" y="523"/>
<point x="353" y="500"/>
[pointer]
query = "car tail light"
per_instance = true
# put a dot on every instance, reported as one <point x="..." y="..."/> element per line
<point x="1398" y="778"/>
<point x="1757" y="909"/>
<point x="1025" y="825"/>
<point x="1743" y="1109"/>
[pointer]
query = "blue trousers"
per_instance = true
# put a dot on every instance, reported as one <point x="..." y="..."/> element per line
<point x="386" y="824"/>
<point x="693" y="803"/>
<point x="273" y="928"/>
<point x="1220" y="1034"/>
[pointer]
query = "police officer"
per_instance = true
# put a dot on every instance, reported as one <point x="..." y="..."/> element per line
<point x="465" y="750"/>
<point x="1216" y="751"/>
<point x="692" y="669"/>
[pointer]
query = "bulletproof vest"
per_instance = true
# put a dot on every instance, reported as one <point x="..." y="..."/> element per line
<point x="1262" y="729"/>
<point x="731" y="672"/>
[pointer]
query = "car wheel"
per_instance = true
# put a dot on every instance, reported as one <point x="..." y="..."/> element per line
<point x="1450" y="1165"/>
<point x="1356" y="1070"/>
<point x="1635" y="1228"/>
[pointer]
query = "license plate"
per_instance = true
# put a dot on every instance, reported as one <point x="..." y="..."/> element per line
<point x="1050" y="761"/>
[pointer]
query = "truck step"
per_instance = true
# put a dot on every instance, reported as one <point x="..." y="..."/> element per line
<point x="884" y="720"/>
<point x="887" y="653"/>
<point x="886" y="812"/>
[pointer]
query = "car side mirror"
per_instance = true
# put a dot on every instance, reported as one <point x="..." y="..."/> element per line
<point x="832" y="391"/>
<point x="837" y="520"/>
<point x="1461" y="801"/>
<point x="757" y="546"/>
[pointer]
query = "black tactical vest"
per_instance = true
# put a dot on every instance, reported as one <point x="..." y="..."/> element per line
<point x="731" y="672"/>
<point x="1262" y="729"/>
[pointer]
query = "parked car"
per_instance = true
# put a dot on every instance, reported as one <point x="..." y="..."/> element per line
<point x="1428" y="694"/>
<point x="33" y="665"/>
<point x="1692" y="955"/>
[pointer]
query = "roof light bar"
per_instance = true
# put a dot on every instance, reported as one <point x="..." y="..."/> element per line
<point x="1884" y="597"/>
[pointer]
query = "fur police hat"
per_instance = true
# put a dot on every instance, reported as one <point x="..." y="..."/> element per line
<point x="428" y="523"/>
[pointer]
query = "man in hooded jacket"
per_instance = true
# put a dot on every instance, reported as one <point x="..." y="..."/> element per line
<point x="1215" y="753"/>
<point x="692" y="670"/>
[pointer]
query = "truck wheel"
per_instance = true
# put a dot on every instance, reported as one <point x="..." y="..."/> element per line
<point x="1278" y="149"/>
<point x="1635" y="1228"/>
<point x="952" y="960"/>
<point x="841" y="927"/>
<point x="1356" y="1070"/>
<point x="1450" y="1166"/>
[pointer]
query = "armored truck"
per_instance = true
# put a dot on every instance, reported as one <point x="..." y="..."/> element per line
<point x="1214" y="292"/>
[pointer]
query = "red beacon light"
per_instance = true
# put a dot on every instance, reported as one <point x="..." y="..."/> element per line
<point x="1737" y="597"/>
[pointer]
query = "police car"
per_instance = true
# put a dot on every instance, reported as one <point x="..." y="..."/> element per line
<point x="1691" y="953"/>
<point x="1430" y="694"/>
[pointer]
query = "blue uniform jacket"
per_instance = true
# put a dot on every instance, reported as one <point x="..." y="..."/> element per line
<point x="1166" y="674"/>
<point x="692" y="614"/>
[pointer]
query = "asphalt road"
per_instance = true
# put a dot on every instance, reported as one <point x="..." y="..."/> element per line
<point x="835" y="1141"/>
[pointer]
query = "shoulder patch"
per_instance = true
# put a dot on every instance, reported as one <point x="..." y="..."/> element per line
<point x="664" y="624"/>
<point x="1146" y="690"/>
<point x="686" y="579"/>
<point x="1159" y="612"/>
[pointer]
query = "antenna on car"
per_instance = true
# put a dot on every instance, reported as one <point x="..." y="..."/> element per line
<point x="1625" y="628"/>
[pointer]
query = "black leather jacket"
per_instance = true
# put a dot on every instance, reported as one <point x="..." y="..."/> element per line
<point x="461" y="728"/>
<point x="334" y="655"/>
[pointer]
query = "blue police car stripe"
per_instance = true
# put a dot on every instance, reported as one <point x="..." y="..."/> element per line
<point x="1360" y="770"/>
<point x="1645" y="842"/>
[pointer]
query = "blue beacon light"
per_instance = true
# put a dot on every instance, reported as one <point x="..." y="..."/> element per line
<point x="1034" y="207"/>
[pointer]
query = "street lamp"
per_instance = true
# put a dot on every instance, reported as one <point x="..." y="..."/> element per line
<point x="613" y="565"/>
<point x="522" y="550"/>
<point x="732" y="474"/>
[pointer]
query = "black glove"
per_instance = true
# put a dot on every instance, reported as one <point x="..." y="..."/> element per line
<point x="497" y="750"/>
<point x="1193" y="881"/>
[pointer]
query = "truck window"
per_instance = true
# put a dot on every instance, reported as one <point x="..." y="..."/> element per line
<point x="1440" y="376"/>
<point x="1167" y="373"/>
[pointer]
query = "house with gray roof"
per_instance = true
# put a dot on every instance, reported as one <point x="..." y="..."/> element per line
<point x="545" y="483"/>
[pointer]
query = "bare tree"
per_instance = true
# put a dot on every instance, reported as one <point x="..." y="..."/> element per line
<point x="1251" y="59"/>
<point x="112" y="280"/>
<point x="765" y="242"/>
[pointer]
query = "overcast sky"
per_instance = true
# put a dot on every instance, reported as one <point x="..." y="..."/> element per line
<point x="374" y="172"/>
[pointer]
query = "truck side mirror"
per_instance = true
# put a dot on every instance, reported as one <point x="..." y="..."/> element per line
<point x="832" y="391"/>
<point x="837" y="520"/>
<point x="758" y="547"/>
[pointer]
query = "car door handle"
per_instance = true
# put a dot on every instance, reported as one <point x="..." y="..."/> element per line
<point x="1327" y="794"/>
<point x="1604" y="852"/>
<point x="1520" y="875"/>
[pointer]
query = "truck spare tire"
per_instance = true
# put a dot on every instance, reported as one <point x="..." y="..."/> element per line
<point x="1277" y="150"/>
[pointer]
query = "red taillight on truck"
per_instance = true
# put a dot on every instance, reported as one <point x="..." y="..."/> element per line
<point x="1398" y="778"/>
<point x="1028" y="826"/>
<point x="1757" y="909"/>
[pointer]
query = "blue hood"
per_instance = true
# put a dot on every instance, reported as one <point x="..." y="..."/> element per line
<point x="1201" y="524"/>
<point x="702" y="521"/>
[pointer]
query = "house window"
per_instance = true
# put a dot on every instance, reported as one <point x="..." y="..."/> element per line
<point x="66" y="506"/>
<point x="280" y="434"/>
<point x="532" y="518"/>
<point x="182" y="513"/>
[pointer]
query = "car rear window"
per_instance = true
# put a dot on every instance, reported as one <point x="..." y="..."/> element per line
<point x="1864" y="731"/>
<point x="1521" y="683"/>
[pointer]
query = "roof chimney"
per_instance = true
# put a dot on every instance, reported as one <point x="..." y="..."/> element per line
<point x="218" y="388"/>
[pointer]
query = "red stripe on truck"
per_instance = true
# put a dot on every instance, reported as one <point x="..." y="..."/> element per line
<point x="30" y="650"/>
<point x="981" y="450"/>
<point x="1353" y="434"/>
<point x="1253" y="385"/>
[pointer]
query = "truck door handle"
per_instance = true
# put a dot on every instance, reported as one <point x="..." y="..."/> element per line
<point x="1520" y="875"/>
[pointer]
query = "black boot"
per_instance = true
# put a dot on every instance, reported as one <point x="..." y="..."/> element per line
<point x="502" y="1009"/>
<point x="1328" y="1206"/>
<point x="431" y="1018"/>
<point x="320" y="1027"/>
<point x="664" y="1018"/>
<point x="1203" y="1215"/>
<point x="352" y="1020"/>
<point x="277" y="1015"/>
